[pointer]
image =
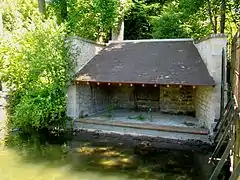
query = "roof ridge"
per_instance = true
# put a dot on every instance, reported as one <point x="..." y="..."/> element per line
<point x="153" y="40"/>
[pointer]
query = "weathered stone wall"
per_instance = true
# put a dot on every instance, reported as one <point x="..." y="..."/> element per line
<point x="147" y="98"/>
<point x="81" y="52"/>
<point x="99" y="99"/>
<point x="84" y="100"/>
<point x="205" y="105"/>
<point x="177" y="100"/>
<point x="121" y="96"/>
<point x="92" y="98"/>
<point x="210" y="50"/>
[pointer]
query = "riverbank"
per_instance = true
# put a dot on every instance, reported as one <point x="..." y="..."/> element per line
<point x="95" y="156"/>
<point x="146" y="142"/>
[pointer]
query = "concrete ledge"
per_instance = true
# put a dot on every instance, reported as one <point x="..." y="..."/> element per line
<point x="188" y="130"/>
<point x="196" y="41"/>
<point x="143" y="134"/>
<point x="87" y="40"/>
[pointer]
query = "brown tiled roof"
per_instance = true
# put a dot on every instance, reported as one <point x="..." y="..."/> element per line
<point x="153" y="62"/>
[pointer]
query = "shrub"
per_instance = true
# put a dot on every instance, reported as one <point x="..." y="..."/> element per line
<point x="35" y="68"/>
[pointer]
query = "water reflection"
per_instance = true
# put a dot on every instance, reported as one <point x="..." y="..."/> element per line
<point x="58" y="157"/>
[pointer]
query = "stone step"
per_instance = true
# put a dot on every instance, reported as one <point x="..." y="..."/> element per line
<point x="144" y="130"/>
<point x="190" y="130"/>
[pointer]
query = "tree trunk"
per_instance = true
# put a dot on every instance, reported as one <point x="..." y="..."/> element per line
<point x="64" y="9"/>
<point x="214" y="28"/>
<point x="41" y="6"/>
<point x="223" y="16"/>
<point x="215" y="24"/>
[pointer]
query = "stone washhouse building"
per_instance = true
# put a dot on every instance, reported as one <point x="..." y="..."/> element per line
<point x="168" y="88"/>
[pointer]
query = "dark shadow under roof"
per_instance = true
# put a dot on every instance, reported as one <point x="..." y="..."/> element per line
<point x="149" y="62"/>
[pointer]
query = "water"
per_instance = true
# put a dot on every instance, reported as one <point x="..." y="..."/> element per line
<point x="39" y="157"/>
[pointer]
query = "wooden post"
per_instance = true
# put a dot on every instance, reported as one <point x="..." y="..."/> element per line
<point x="237" y="143"/>
<point x="237" y="117"/>
<point x="222" y="83"/>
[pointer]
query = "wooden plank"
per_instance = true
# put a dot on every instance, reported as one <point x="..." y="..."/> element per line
<point x="225" y="129"/>
<point x="220" y="142"/>
<point x="236" y="173"/>
<point x="225" y="115"/>
<point x="147" y="126"/>
<point x="128" y="83"/>
<point x="223" y="71"/>
<point x="222" y="161"/>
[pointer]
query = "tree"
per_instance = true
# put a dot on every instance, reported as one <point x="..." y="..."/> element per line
<point x="34" y="67"/>
<point x="223" y="16"/>
<point x="196" y="18"/>
<point x="138" y="19"/>
<point x="228" y="13"/>
<point x="58" y="8"/>
<point x="181" y="19"/>
<point x="89" y="19"/>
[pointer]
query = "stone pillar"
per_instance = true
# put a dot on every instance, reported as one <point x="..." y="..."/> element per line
<point x="118" y="33"/>
<point x="209" y="98"/>
<point x="72" y="107"/>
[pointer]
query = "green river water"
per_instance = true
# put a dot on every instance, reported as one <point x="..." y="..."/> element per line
<point x="45" y="158"/>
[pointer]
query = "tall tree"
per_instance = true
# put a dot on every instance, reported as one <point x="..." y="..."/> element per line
<point x="223" y="16"/>
<point x="212" y="19"/>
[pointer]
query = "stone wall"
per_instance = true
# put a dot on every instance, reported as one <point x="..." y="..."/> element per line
<point x="177" y="100"/>
<point x="205" y="104"/>
<point x="121" y="96"/>
<point x="81" y="52"/>
<point x="209" y="98"/>
<point x="92" y="98"/>
<point x="99" y="99"/>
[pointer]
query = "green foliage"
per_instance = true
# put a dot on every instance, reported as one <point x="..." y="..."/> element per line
<point x="91" y="19"/>
<point x="36" y="70"/>
<point x="181" y="19"/>
<point x="166" y="19"/>
<point x="57" y="8"/>
<point x="137" y="22"/>
<point x="17" y="13"/>
<point x="88" y="18"/>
